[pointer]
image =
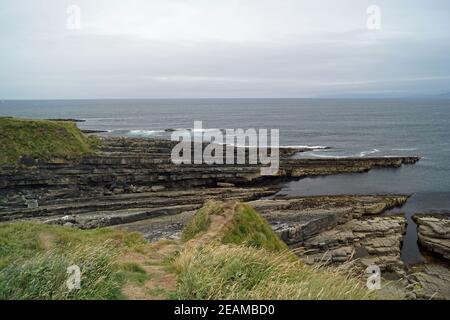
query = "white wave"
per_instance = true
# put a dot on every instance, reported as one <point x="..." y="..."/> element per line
<point x="305" y="147"/>
<point x="144" y="133"/>
<point x="312" y="148"/>
<point x="404" y="149"/>
<point x="328" y="156"/>
<point x="365" y="153"/>
<point x="205" y="130"/>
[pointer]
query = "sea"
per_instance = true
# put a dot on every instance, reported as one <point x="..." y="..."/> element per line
<point x="349" y="127"/>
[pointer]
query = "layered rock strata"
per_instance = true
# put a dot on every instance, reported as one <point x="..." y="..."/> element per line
<point x="336" y="229"/>
<point x="132" y="184"/>
<point x="122" y="163"/>
<point x="434" y="234"/>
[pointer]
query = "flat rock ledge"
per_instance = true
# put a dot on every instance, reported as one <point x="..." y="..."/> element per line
<point x="429" y="282"/>
<point x="123" y="162"/>
<point x="337" y="229"/>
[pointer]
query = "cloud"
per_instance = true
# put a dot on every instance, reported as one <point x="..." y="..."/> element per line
<point x="175" y="48"/>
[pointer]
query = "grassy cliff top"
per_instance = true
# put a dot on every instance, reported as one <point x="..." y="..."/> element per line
<point x="41" y="139"/>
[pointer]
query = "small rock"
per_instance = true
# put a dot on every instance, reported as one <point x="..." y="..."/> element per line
<point x="225" y="185"/>
<point x="118" y="190"/>
<point x="158" y="188"/>
<point x="32" y="204"/>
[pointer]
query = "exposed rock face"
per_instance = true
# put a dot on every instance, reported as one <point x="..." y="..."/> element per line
<point x="315" y="167"/>
<point x="431" y="281"/>
<point x="335" y="229"/>
<point x="373" y="241"/>
<point x="298" y="219"/>
<point x="142" y="163"/>
<point x="434" y="233"/>
<point x="95" y="211"/>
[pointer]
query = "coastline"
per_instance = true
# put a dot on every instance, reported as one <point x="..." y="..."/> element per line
<point x="130" y="184"/>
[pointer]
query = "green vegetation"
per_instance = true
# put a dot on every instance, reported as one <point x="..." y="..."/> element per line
<point x="134" y="273"/>
<point x="41" y="139"/>
<point x="198" y="224"/>
<point x="238" y="272"/>
<point x="228" y="252"/>
<point x="232" y="253"/>
<point x="240" y="224"/>
<point x="34" y="259"/>
<point x="250" y="229"/>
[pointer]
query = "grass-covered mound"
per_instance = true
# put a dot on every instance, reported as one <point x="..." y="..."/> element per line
<point x="235" y="223"/>
<point x="232" y="253"/>
<point x="42" y="139"/>
<point x="34" y="259"/>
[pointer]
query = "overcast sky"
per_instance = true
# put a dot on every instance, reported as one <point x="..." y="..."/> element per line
<point x="223" y="48"/>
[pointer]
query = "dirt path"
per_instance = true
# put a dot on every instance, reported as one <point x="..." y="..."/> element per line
<point x="154" y="261"/>
<point x="219" y="221"/>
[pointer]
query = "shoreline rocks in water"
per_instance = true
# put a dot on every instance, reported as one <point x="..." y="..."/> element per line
<point x="121" y="162"/>
<point x="434" y="234"/>
<point x="67" y="120"/>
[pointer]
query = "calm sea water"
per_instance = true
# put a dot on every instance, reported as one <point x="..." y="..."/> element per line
<point x="353" y="127"/>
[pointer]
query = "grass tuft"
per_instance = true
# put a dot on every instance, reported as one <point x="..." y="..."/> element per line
<point x="198" y="224"/>
<point x="249" y="228"/>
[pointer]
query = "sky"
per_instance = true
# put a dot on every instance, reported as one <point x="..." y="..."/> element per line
<point x="223" y="48"/>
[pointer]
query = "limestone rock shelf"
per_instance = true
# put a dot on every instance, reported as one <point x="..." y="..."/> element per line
<point x="434" y="233"/>
<point x="335" y="229"/>
<point x="96" y="211"/>
<point x="121" y="163"/>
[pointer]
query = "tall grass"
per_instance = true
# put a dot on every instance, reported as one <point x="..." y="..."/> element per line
<point x="34" y="259"/>
<point x="197" y="224"/>
<point x="44" y="276"/>
<point x="238" y="272"/>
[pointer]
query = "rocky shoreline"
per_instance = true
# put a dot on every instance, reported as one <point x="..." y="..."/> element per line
<point x="434" y="234"/>
<point x="132" y="184"/>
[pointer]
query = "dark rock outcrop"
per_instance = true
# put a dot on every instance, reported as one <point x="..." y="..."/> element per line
<point x="123" y="162"/>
